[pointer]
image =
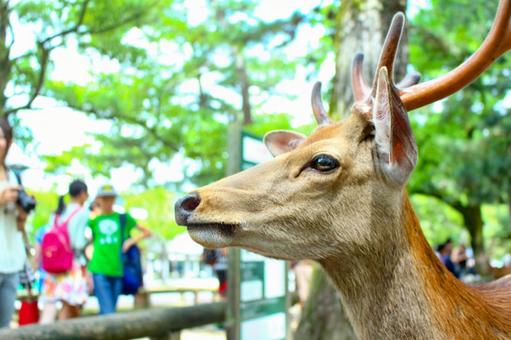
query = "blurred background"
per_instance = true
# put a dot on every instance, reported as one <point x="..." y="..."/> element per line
<point x="141" y="94"/>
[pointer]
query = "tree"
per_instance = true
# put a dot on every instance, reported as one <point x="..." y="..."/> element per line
<point x="86" y="24"/>
<point x="161" y="109"/>
<point x="471" y="127"/>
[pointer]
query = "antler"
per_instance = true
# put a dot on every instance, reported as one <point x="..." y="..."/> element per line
<point x="415" y="95"/>
<point x="388" y="54"/>
<point x="360" y="89"/>
<point x="317" y="105"/>
<point x="389" y="49"/>
<point x="496" y="43"/>
<point x="409" y="80"/>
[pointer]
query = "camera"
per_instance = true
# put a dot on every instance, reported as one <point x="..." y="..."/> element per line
<point x="25" y="201"/>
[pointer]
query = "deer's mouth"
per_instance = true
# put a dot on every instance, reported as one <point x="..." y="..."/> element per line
<point x="226" y="228"/>
<point x="212" y="234"/>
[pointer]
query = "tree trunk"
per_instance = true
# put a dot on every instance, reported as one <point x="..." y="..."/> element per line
<point x="5" y="63"/>
<point x="361" y="26"/>
<point x="509" y="205"/>
<point x="473" y="220"/>
<point x="323" y="316"/>
<point x="241" y="69"/>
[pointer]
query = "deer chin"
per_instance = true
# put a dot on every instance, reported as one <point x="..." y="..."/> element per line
<point x="212" y="235"/>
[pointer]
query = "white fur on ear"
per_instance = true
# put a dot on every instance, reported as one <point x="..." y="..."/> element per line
<point x="281" y="141"/>
<point x="395" y="143"/>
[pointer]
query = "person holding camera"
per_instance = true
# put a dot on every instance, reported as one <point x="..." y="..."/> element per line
<point x="69" y="287"/>
<point x="12" y="224"/>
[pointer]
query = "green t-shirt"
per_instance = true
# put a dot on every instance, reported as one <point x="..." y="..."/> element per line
<point x="107" y="242"/>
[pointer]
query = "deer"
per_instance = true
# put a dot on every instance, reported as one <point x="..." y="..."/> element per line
<point x="338" y="197"/>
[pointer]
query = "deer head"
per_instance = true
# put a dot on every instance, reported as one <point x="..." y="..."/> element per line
<point x="332" y="192"/>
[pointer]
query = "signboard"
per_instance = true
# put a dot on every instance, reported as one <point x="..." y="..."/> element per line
<point x="263" y="300"/>
<point x="260" y="301"/>
<point x="253" y="151"/>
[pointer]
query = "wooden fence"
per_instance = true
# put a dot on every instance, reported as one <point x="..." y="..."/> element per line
<point x="156" y="323"/>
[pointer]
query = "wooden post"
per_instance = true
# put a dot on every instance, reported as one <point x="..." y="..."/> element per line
<point x="142" y="299"/>
<point x="233" y="273"/>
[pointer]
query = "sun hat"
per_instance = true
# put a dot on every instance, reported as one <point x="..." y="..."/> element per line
<point x="106" y="190"/>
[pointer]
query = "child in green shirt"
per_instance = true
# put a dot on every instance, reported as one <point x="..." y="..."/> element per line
<point x="106" y="263"/>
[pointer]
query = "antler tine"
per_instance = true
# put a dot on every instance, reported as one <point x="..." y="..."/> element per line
<point x="389" y="49"/>
<point x="317" y="105"/>
<point x="360" y="89"/>
<point x="496" y="43"/>
<point x="409" y="80"/>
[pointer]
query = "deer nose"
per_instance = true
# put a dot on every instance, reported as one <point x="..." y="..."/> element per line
<point x="185" y="206"/>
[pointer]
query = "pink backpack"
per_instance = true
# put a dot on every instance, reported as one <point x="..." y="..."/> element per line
<point x="56" y="251"/>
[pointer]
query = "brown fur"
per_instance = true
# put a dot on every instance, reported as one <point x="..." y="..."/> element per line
<point x="361" y="229"/>
<point x="460" y="311"/>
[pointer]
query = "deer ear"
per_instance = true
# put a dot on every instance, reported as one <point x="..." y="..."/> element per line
<point x="280" y="141"/>
<point x="395" y="144"/>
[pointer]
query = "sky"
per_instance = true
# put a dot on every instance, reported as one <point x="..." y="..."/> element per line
<point x="57" y="129"/>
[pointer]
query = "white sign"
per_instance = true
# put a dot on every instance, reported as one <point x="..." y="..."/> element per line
<point x="254" y="150"/>
<point x="270" y="327"/>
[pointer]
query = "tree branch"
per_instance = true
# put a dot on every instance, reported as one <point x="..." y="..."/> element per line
<point x="115" y="25"/>
<point x="132" y="120"/>
<point x="11" y="30"/>
<point x="25" y="55"/>
<point x="119" y="23"/>
<point x="74" y="29"/>
<point x="43" y="62"/>
<point x="44" y="56"/>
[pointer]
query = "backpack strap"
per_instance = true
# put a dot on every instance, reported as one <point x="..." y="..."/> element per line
<point x="55" y="222"/>
<point x="122" y="220"/>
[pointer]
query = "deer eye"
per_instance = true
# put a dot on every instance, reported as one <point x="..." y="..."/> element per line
<point x="324" y="163"/>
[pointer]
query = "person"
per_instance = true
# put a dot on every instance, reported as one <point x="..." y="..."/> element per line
<point x="109" y="243"/>
<point x="217" y="259"/>
<point x="37" y="246"/>
<point x="95" y="209"/>
<point x="445" y="251"/>
<point x="220" y="267"/>
<point x="460" y="258"/>
<point x="69" y="288"/>
<point x="12" y="224"/>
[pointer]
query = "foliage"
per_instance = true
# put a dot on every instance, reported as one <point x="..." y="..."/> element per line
<point x="160" y="103"/>
<point x="463" y="141"/>
<point x="86" y="25"/>
<point x="438" y="220"/>
<point x="472" y="126"/>
<point x="157" y="202"/>
<point x="46" y="205"/>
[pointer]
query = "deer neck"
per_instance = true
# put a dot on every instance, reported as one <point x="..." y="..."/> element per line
<point x="383" y="285"/>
